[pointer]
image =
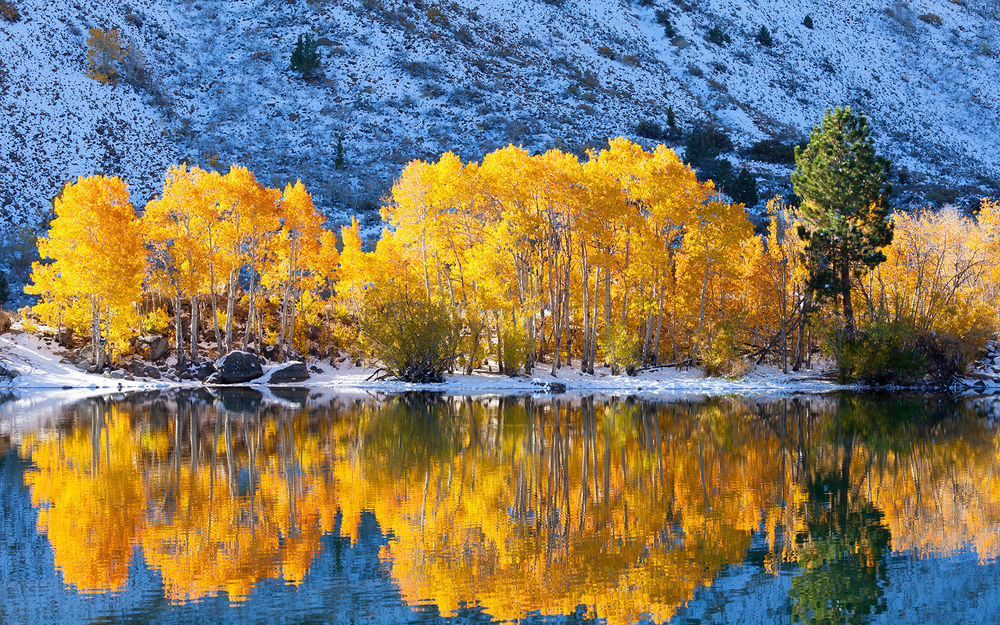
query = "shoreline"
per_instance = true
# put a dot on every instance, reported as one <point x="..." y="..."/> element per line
<point x="41" y="370"/>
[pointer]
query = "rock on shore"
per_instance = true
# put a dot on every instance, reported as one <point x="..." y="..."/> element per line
<point x="237" y="367"/>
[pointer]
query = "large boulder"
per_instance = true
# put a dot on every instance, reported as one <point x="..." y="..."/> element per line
<point x="203" y="370"/>
<point x="64" y="338"/>
<point x="6" y="374"/>
<point x="290" y="372"/>
<point x="154" y="346"/>
<point x="5" y="322"/>
<point x="140" y="369"/>
<point x="236" y="367"/>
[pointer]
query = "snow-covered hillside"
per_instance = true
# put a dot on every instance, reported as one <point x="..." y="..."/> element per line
<point x="403" y="79"/>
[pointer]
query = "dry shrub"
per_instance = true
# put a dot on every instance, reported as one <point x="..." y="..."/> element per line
<point x="9" y="12"/>
<point x="415" y="340"/>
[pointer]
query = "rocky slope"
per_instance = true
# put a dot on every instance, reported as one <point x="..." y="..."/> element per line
<point x="405" y="79"/>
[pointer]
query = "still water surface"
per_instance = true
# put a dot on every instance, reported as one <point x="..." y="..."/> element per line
<point x="162" y="508"/>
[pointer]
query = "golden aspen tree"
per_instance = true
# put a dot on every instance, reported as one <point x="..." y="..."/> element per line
<point x="319" y="290"/>
<point x="412" y="213"/>
<point x="173" y="228"/>
<point x="105" y="52"/>
<point x="711" y="250"/>
<point x="935" y="284"/>
<point x="296" y="243"/>
<point x="97" y="255"/>
<point x="251" y="220"/>
<point x="211" y="213"/>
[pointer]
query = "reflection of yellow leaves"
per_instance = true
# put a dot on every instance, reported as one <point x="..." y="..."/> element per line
<point x="94" y="504"/>
<point x="517" y="517"/>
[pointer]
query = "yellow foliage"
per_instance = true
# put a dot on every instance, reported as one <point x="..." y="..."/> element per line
<point x="96" y="251"/>
<point x="623" y="507"/>
<point x="105" y="51"/>
<point x="623" y="257"/>
<point x="939" y="278"/>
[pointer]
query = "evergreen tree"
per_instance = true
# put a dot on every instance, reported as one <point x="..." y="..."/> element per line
<point x="808" y="22"/>
<point x="339" y="162"/>
<point x="764" y="37"/>
<point x="845" y="211"/>
<point x="305" y="57"/>
<point x="705" y="144"/>
<point x="663" y="19"/>
<point x="671" y="118"/>
<point x="719" y="171"/>
<point x="4" y="288"/>
<point x="718" y="36"/>
<point x="649" y="129"/>
<point x="743" y="189"/>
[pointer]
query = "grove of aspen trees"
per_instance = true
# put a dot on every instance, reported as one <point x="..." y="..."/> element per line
<point x="622" y="259"/>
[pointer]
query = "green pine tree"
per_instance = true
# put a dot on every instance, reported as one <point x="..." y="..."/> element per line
<point x="808" y="22"/>
<point x="663" y="19"/>
<point x="743" y="189"/>
<point x="718" y="36"/>
<point x="4" y="288"/>
<point x="764" y="37"/>
<point x="305" y="56"/>
<point x="339" y="162"/>
<point x="845" y="210"/>
<point x="671" y="117"/>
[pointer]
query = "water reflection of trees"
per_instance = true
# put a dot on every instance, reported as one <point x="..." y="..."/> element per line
<point x="517" y="504"/>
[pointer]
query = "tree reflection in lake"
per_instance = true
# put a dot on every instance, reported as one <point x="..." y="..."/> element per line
<point x="617" y="509"/>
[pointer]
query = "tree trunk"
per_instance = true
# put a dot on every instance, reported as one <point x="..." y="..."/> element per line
<point x="625" y="286"/>
<point x="194" y="328"/>
<point x="784" y="313"/>
<point x="103" y="344"/>
<point x="607" y="307"/>
<point x="585" y="292"/>
<point x="291" y="329"/>
<point x="701" y="306"/>
<point x="215" y="307"/>
<point x="593" y="322"/>
<point x="845" y="279"/>
<point x="427" y="276"/>
<point x="567" y="315"/>
<point x="284" y="306"/>
<point x="473" y="348"/>
<point x="179" y="331"/>
<point x="659" y="327"/>
<point x="809" y="349"/>
<point x="800" y="343"/>
<point x="784" y="338"/>
<point x="251" y="308"/>
<point x="230" y="308"/>
<point x="647" y="340"/>
<point x="95" y="333"/>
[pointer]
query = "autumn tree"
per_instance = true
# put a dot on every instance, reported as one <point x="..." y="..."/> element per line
<point x="95" y="252"/>
<point x="299" y="240"/>
<point x="842" y="183"/>
<point x="174" y="231"/>
<point x="105" y="52"/>
<point x="250" y="220"/>
<point x="211" y="214"/>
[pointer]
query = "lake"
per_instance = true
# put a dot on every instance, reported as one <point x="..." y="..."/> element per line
<point x="292" y="507"/>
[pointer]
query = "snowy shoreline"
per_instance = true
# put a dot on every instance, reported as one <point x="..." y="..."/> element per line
<point x="42" y="370"/>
